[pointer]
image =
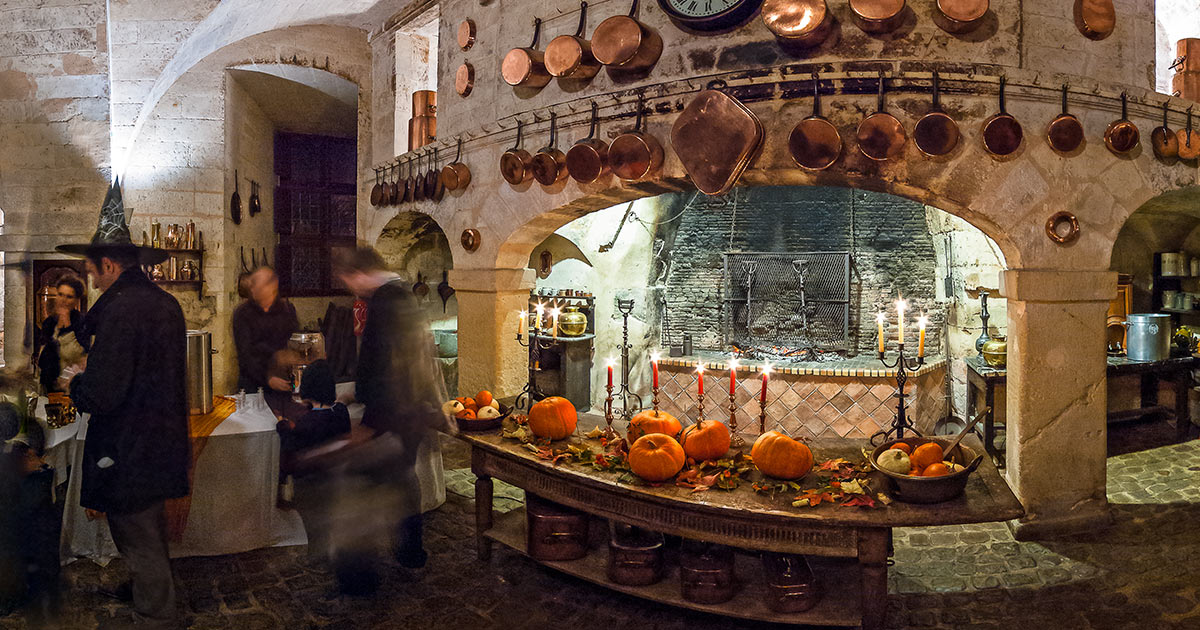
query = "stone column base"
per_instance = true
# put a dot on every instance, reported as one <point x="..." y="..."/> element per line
<point x="1087" y="517"/>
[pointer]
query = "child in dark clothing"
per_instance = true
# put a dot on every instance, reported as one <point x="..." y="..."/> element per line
<point x="326" y="420"/>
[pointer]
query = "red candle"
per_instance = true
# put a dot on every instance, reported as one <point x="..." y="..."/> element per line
<point x="762" y="398"/>
<point x="732" y="376"/>
<point x="700" y="378"/>
<point x="610" y="372"/>
<point x="654" y="370"/>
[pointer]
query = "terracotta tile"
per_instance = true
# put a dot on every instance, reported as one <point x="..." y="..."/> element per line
<point x="804" y="387"/>
<point x="857" y="433"/>
<point x="841" y="402"/>
<point x="829" y="389"/>
<point x="842" y="426"/>
<point x="816" y="399"/>
<point x="790" y="398"/>
<point x="883" y="391"/>
<point x="776" y="387"/>
<point x="803" y="433"/>
<point x="868" y="402"/>
<point x="828" y="414"/>
<point x="855" y="390"/>
<point x="790" y="425"/>
<point x="855" y="414"/>
<point x="828" y="432"/>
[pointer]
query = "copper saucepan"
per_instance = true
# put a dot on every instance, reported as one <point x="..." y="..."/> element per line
<point x="1065" y="132"/>
<point x="587" y="159"/>
<point x="878" y="16"/>
<point x="799" y="23"/>
<point x="391" y="190"/>
<point x="635" y="155"/>
<point x="1122" y="135"/>
<point x="418" y="182"/>
<point x="516" y="163"/>
<point x="936" y="133"/>
<point x="377" y="191"/>
<point x="961" y="16"/>
<point x="1002" y="134"/>
<point x="409" y="188"/>
<point x="433" y="181"/>
<point x="1096" y="19"/>
<point x="623" y="43"/>
<point x="1189" y="140"/>
<point x="570" y="56"/>
<point x="815" y="143"/>
<point x="464" y="79"/>
<point x="881" y="136"/>
<point x="456" y="175"/>
<point x="550" y="164"/>
<point x="526" y="67"/>
<point x="1164" y="141"/>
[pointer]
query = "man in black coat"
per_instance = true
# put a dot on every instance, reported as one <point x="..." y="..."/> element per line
<point x="137" y="452"/>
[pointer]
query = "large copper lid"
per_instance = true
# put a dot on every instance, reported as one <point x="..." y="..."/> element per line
<point x="715" y="137"/>
<point x="464" y="79"/>
<point x="617" y="40"/>
<point x="466" y="34"/>
<point x="877" y="10"/>
<point x="1096" y="19"/>
<point x="794" y="19"/>
<point x="517" y="65"/>
<point x="564" y="54"/>
<point x="963" y="10"/>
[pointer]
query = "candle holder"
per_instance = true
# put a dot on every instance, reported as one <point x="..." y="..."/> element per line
<point x="609" y="433"/>
<point x="625" y="307"/>
<point x="735" y="438"/>
<point x="531" y="394"/>
<point x="762" y="416"/>
<point x="903" y="366"/>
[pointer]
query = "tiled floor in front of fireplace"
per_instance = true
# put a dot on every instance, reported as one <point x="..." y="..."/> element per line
<point x="1143" y="572"/>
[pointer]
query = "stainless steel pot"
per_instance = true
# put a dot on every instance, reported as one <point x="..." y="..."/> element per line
<point x="199" y="371"/>
<point x="1149" y="336"/>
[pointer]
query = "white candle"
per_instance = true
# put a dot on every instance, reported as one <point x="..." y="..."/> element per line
<point x="901" y="305"/>
<point x="921" y="322"/>
<point x="879" y="322"/>
<point x="539" y="310"/>
<point x="521" y="322"/>
<point x="554" y="320"/>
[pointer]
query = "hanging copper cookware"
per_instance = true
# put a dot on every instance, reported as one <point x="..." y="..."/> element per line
<point x="526" y="67"/>
<point x="1002" y="134"/>
<point x="1096" y="19"/>
<point x="549" y="164"/>
<point x="961" y="16"/>
<point x="1164" y="141"/>
<point x="393" y="192"/>
<point x="878" y="16"/>
<point x="799" y="23"/>
<point x="587" y="159"/>
<point x="418" y="182"/>
<point x="456" y="175"/>
<point x="516" y="163"/>
<point x="570" y="56"/>
<point x="1189" y="140"/>
<point x="433" y="181"/>
<point x="815" y="143"/>
<point x="464" y="79"/>
<point x="377" y="191"/>
<point x="1065" y="132"/>
<point x="1122" y="135"/>
<point x="408" y="189"/>
<point x="936" y="133"/>
<point x="623" y="43"/>
<point x="635" y="155"/>
<point x="466" y="34"/>
<point x="881" y="136"/>
<point x="716" y="137"/>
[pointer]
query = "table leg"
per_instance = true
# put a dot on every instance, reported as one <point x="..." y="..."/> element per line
<point x="989" y="426"/>
<point x="1183" y="416"/>
<point x="483" y="516"/>
<point x="872" y="560"/>
<point x="1149" y="390"/>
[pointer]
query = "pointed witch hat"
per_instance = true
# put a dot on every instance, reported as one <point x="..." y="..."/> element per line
<point x="112" y="233"/>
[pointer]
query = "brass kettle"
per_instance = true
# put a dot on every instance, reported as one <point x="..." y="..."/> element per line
<point x="995" y="352"/>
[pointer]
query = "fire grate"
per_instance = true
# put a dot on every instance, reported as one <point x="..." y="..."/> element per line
<point x="787" y="304"/>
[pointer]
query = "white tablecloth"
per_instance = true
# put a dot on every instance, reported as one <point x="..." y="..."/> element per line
<point x="234" y="487"/>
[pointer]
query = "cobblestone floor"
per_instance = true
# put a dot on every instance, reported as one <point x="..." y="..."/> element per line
<point x="1144" y="572"/>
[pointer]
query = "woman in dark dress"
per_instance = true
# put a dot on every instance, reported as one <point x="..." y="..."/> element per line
<point x="65" y="345"/>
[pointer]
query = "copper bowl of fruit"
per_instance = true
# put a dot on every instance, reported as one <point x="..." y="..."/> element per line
<point x="933" y="476"/>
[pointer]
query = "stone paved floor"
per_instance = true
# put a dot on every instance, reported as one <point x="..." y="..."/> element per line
<point x="1142" y="573"/>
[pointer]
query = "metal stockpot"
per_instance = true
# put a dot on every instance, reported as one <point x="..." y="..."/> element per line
<point x="1149" y="336"/>
<point x="199" y="371"/>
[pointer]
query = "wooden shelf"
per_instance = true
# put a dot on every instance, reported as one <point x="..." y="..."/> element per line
<point x="1179" y="311"/>
<point x="196" y="252"/>
<point x="839" y="578"/>
<point x="1189" y="277"/>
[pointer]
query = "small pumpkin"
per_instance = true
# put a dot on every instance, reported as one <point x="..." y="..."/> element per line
<point x="488" y="413"/>
<point x="465" y="414"/>
<point x="781" y="457"/>
<point x="926" y="454"/>
<point x="656" y="457"/>
<point x="484" y="398"/>
<point x="705" y="440"/>
<point x="651" y="421"/>
<point x="470" y="403"/>
<point x="553" y="417"/>
<point x="452" y="407"/>
<point x="936" y="470"/>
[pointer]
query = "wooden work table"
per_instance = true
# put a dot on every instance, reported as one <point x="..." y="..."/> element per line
<point x="855" y="541"/>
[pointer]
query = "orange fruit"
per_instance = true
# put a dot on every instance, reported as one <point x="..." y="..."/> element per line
<point x="936" y="470"/>
<point x="466" y="414"/>
<point x="483" y="398"/>
<point x="925" y="454"/>
<point x="914" y="472"/>
<point x="901" y="446"/>
<point x="470" y="403"/>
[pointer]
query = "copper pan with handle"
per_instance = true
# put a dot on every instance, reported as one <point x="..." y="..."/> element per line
<point x="434" y="190"/>
<point x="1164" y="141"/>
<point x="815" y="143"/>
<point x="456" y="175"/>
<point x="1189" y="140"/>
<point x="587" y="159"/>
<point x="1002" y="134"/>
<point x="881" y="136"/>
<point x="1096" y="19"/>
<point x="716" y="137"/>
<point x="516" y="163"/>
<point x="549" y="163"/>
<point x="623" y="43"/>
<point x="408" y="189"/>
<point x="936" y="133"/>
<point x="377" y="191"/>
<point x="635" y="155"/>
<point x="1065" y="132"/>
<point x="570" y="56"/>
<point x="1122" y="135"/>
<point x="393" y="191"/>
<point x="526" y="67"/>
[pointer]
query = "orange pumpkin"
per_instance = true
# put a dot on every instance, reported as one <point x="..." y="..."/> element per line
<point x="470" y="403"/>
<point x="656" y="457"/>
<point x="707" y="439"/>
<point x="926" y="454"/>
<point x="901" y="446"/>
<point x="466" y="414"/>
<point x="781" y="457"/>
<point x="651" y="421"/>
<point x="554" y="417"/>
<point x="484" y="398"/>
<point x="935" y="470"/>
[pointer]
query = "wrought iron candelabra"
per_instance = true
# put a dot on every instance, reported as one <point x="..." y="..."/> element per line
<point x="623" y="392"/>
<point x="531" y="394"/>
<point x="609" y="433"/>
<point x="903" y="366"/>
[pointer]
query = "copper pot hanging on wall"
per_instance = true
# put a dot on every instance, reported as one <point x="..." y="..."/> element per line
<point x="570" y="56"/>
<point x="456" y="175"/>
<point x="1189" y="140"/>
<point x="418" y="182"/>
<point x="961" y="16"/>
<point x="466" y="34"/>
<point x="516" y="163"/>
<point x="587" y="159"/>
<point x="549" y="164"/>
<point x="881" y="136"/>
<point x="1096" y="19"/>
<point x="433" y="182"/>
<point x="1163" y="140"/>
<point x="799" y="23"/>
<point x="715" y="138"/>
<point x="526" y="67"/>
<point x="624" y="43"/>
<point x="464" y="79"/>
<point x="1122" y="135"/>
<point x="936" y="133"/>
<point x="392" y="192"/>
<point x="409" y="188"/>
<point x="815" y="143"/>
<point x="1002" y="134"/>
<point x="878" y="16"/>
<point x="1065" y="132"/>
<point x="377" y="191"/>
<point x="635" y="155"/>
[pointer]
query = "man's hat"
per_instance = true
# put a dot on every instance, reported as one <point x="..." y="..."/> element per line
<point x="112" y="233"/>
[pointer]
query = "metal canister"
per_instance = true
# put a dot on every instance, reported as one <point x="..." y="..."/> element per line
<point x="1149" y="336"/>
<point x="199" y="371"/>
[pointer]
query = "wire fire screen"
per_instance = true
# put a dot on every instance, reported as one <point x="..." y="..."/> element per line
<point x="787" y="304"/>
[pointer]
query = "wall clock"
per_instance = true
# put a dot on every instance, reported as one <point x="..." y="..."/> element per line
<point x="709" y="15"/>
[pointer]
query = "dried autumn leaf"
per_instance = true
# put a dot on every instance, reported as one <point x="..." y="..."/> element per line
<point x="859" y="500"/>
<point x="596" y="432"/>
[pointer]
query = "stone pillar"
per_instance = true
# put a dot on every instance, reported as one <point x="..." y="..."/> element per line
<point x="1057" y="398"/>
<point x="489" y="356"/>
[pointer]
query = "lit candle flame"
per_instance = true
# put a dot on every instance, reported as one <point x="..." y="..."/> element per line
<point x="540" y="309"/>
<point x="766" y="368"/>
<point x="922" y="320"/>
<point x="700" y="368"/>
<point x="612" y="362"/>
<point x="655" y="356"/>
<point x="880" y="318"/>
<point x="733" y="363"/>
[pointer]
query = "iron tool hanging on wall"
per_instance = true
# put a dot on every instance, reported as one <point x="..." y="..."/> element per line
<point x="235" y="202"/>
<point x="1189" y="140"/>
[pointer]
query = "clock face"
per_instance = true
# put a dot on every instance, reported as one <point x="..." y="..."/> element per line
<point x="709" y="15"/>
